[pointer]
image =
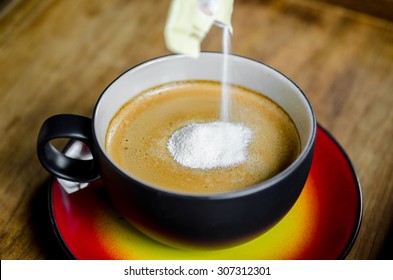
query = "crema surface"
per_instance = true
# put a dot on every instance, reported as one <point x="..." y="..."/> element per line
<point x="138" y="134"/>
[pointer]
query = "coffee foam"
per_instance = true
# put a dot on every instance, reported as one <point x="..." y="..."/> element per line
<point x="138" y="135"/>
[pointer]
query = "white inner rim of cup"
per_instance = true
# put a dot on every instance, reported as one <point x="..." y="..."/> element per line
<point x="244" y="72"/>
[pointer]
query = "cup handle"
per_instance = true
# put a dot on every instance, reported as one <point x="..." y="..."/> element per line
<point x="57" y="163"/>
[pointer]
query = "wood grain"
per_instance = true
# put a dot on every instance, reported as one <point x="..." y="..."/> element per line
<point x="57" y="56"/>
<point x="377" y="8"/>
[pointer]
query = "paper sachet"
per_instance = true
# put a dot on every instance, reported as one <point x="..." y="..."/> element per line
<point x="189" y="21"/>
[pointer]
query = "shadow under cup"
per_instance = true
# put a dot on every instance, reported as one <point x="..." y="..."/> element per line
<point x="190" y="220"/>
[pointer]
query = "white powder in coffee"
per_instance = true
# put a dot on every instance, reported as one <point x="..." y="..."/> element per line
<point x="210" y="145"/>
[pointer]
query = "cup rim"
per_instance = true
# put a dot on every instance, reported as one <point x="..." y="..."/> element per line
<point x="221" y="195"/>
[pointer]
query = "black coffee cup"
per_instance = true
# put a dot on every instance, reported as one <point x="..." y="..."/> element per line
<point x="180" y="219"/>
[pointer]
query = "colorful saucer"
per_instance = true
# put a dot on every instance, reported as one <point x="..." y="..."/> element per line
<point x="323" y="224"/>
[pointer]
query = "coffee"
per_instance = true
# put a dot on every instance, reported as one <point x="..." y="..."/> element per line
<point x="138" y="134"/>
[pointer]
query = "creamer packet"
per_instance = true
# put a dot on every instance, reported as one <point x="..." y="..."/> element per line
<point x="189" y="21"/>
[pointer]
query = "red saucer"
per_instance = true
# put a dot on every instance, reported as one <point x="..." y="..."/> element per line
<point x="323" y="224"/>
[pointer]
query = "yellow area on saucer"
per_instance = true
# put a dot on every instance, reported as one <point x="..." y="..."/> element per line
<point x="286" y="240"/>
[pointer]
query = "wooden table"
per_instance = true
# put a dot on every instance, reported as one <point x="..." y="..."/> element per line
<point x="57" y="56"/>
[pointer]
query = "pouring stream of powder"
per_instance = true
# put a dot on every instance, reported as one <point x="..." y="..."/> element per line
<point x="210" y="145"/>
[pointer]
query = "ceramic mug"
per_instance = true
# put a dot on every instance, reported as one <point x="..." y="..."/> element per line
<point x="179" y="219"/>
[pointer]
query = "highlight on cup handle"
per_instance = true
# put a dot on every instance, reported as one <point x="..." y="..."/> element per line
<point x="67" y="165"/>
